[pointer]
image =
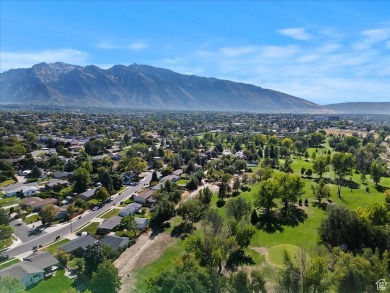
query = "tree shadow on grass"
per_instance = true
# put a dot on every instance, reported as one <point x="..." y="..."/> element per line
<point x="245" y="188"/>
<point x="182" y="230"/>
<point x="270" y="223"/>
<point x="220" y="203"/>
<point x="381" y="188"/>
<point x="351" y="184"/>
<point x="238" y="258"/>
<point x="292" y="216"/>
<point x="235" y="193"/>
<point x="321" y="205"/>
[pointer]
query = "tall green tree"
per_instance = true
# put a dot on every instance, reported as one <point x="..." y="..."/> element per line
<point x="320" y="165"/>
<point x="5" y="232"/>
<point x="48" y="214"/>
<point x="136" y="165"/>
<point x="10" y="285"/>
<point x="190" y="210"/>
<point x="342" y="164"/>
<point x="185" y="275"/>
<point x="236" y="184"/>
<point x="93" y="256"/>
<point x="106" y="182"/>
<point x="321" y="191"/>
<point x="290" y="188"/>
<point x="106" y="279"/>
<point x="128" y="222"/>
<point x="205" y="196"/>
<point x="268" y="193"/>
<point x="238" y="208"/>
<point x="102" y="194"/>
<point x="164" y="210"/>
<point x="4" y="220"/>
<point x="378" y="170"/>
<point x="240" y="283"/>
<point x="81" y="178"/>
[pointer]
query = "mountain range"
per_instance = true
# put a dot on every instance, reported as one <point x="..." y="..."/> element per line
<point x="143" y="86"/>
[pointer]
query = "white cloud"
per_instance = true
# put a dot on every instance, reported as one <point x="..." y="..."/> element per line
<point x="138" y="45"/>
<point x="308" y="58"/>
<point x="106" y="45"/>
<point x="174" y="61"/>
<point x="238" y="51"/>
<point x="11" y="60"/>
<point x="203" y="53"/>
<point x="329" y="48"/>
<point x="278" y="51"/>
<point x="371" y="37"/>
<point x="295" y="33"/>
<point x="135" y="46"/>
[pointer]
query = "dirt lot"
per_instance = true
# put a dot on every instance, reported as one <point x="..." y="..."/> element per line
<point x="147" y="249"/>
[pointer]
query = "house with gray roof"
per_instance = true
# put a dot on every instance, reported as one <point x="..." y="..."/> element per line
<point x="115" y="242"/>
<point x="130" y="209"/>
<point x="108" y="225"/>
<point x="87" y="195"/>
<point x="142" y="223"/>
<point x="79" y="245"/>
<point x="42" y="260"/>
<point x="27" y="274"/>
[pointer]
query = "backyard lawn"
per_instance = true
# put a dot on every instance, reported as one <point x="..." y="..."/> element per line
<point x="58" y="284"/>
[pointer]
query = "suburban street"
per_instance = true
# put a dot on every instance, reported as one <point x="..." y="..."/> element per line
<point x="45" y="238"/>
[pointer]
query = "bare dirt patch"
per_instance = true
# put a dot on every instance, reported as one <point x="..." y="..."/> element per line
<point x="147" y="249"/>
<point x="262" y="250"/>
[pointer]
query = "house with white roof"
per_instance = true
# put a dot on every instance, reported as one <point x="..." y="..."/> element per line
<point x="23" y="190"/>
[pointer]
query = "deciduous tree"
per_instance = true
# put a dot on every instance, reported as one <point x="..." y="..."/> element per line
<point x="342" y="165"/>
<point x="106" y="279"/>
<point x="48" y="214"/>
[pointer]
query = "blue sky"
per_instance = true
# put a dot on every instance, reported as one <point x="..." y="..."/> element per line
<point x="323" y="51"/>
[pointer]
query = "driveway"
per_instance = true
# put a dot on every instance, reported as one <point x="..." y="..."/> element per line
<point x="24" y="233"/>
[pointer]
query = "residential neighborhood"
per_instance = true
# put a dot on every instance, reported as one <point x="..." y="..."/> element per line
<point x="88" y="192"/>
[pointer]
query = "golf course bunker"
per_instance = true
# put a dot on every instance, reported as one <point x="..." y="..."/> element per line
<point x="275" y="254"/>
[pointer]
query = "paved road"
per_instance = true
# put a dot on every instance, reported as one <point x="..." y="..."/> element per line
<point x="75" y="224"/>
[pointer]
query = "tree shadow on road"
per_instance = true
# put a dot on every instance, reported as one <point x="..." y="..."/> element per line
<point x="35" y="232"/>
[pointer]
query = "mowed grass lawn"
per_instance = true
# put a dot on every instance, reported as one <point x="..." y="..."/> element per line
<point x="90" y="228"/>
<point x="58" y="284"/>
<point x="110" y="213"/>
<point x="31" y="219"/>
<point x="53" y="247"/>
<point x="8" y="263"/>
